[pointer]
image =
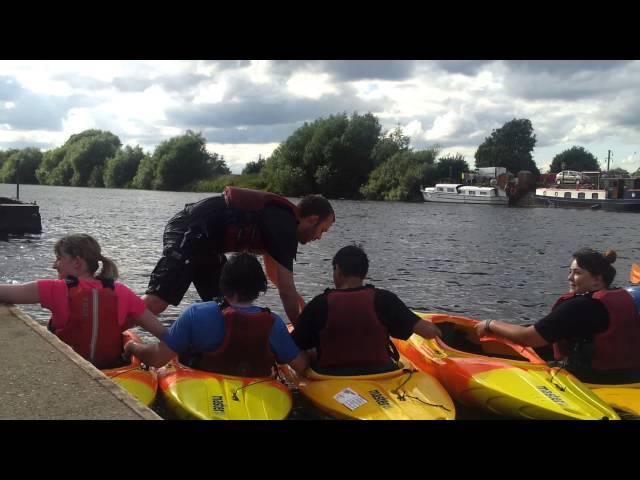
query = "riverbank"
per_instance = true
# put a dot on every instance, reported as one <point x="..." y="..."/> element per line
<point x="44" y="379"/>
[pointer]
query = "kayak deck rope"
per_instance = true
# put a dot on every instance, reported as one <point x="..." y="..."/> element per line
<point x="554" y="373"/>
<point x="402" y="395"/>
<point x="234" y="394"/>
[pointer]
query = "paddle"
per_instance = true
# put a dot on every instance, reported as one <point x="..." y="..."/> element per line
<point x="634" y="274"/>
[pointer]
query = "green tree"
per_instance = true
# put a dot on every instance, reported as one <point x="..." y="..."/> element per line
<point x="145" y="174"/>
<point x="50" y="161"/>
<point x="575" y="158"/>
<point x="400" y="177"/>
<point x="80" y="161"/>
<point x="254" y="167"/>
<point x="509" y="146"/>
<point x="29" y="160"/>
<point x="183" y="159"/>
<point x="88" y="152"/>
<point x="390" y="144"/>
<point x="331" y="156"/>
<point x="452" y="166"/>
<point x="120" y="170"/>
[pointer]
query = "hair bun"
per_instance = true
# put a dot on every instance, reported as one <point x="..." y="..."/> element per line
<point x="610" y="255"/>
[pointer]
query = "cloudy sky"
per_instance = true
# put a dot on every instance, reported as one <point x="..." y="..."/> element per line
<point x="245" y="108"/>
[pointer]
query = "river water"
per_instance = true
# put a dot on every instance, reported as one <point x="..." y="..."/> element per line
<point x="475" y="260"/>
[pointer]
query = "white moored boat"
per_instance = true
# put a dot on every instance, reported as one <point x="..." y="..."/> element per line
<point x="458" y="193"/>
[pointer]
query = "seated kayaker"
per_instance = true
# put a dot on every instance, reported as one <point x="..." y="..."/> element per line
<point x="89" y="311"/>
<point x="349" y="326"/>
<point x="594" y="329"/>
<point x="233" y="339"/>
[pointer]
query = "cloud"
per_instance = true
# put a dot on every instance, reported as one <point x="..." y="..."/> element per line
<point x="19" y="144"/>
<point x="265" y="112"/>
<point x="352" y="70"/>
<point x="564" y="67"/>
<point x="464" y="67"/>
<point x="569" y="80"/>
<point x="346" y="70"/>
<point x="9" y="88"/>
<point x="251" y="135"/>
<point x="132" y="84"/>
<point x="40" y="112"/>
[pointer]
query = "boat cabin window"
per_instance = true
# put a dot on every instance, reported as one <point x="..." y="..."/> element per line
<point x="482" y="193"/>
<point x="471" y="192"/>
<point x="580" y="194"/>
<point x="594" y="196"/>
<point x="567" y="194"/>
<point x="440" y="189"/>
<point x="449" y="189"/>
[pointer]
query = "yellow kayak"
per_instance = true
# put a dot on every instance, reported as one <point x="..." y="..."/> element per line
<point x="500" y="376"/>
<point x="137" y="379"/>
<point x="200" y="395"/>
<point x="405" y="394"/>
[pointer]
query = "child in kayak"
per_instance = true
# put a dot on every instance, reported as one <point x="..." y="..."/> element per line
<point x="594" y="329"/>
<point x="349" y="326"/>
<point x="235" y="338"/>
<point x="89" y="311"/>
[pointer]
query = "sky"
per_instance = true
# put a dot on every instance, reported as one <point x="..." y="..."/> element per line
<point x="246" y="108"/>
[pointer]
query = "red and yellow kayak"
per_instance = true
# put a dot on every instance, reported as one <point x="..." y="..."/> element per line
<point x="201" y="395"/>
<point x="137" y="379"/>
<point x="500" y="376"/>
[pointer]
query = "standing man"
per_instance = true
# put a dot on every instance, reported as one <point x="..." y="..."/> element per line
<point x="196" y="239"/>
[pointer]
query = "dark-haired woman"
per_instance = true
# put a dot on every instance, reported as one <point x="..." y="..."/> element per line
<point x="594" y="329"/>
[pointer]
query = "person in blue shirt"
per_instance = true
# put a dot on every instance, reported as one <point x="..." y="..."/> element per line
<point x="235" y="338"/>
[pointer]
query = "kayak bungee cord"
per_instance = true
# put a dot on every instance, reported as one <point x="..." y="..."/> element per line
<point x="402" y="396"/>
<point x="554" y="373"/>
<point x="142" y="366"/>
<point x="234" y="395"/>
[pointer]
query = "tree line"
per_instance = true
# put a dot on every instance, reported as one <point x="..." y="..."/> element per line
<point x="339" y="156"/>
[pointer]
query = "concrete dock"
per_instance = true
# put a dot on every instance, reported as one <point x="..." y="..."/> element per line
<point x="44" y="379"/>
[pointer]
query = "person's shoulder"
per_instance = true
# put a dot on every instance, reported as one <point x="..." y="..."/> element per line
<point x="209" y="307"/>
<point x="383" y="292"/>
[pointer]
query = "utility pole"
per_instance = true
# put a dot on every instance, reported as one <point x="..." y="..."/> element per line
<point x="18" y="181"/>
<point x="608" y="160"/>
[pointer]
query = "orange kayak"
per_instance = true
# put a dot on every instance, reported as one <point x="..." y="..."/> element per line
<point x="500" y="376"/>
<point x="137" y="379"/>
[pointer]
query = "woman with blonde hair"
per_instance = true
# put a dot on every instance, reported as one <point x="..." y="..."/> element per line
<point x="89" y="309"/>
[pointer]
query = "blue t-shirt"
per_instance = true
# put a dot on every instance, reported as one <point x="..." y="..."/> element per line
<point x="200" y="328"/>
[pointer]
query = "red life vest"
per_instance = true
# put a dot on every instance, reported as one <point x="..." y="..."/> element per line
<point x="245" y="350"/>
<point x="353" y="336"/>
<point x="93" y="330"/>
<point x="618" y="346"/>
<point x="246" y="235"/>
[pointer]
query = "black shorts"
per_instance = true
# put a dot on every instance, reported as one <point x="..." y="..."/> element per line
<point x="190" y="254"/>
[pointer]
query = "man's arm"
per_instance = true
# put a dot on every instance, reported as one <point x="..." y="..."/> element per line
<point x="301" y="362"/>
<point x="426" y="329"/>
<point x="283" y="280"/>
<point x="153" y="354"/>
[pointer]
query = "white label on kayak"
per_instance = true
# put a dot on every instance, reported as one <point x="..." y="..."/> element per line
<point x="349" y="399"/>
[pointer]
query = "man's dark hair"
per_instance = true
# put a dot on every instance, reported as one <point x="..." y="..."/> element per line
<point x="243" y="276"/>
<point x="597" y="264"/>
<point x="352" y="260"/>
<point x="316" y="205"/>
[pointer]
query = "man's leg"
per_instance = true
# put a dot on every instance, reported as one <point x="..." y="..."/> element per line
<point x="206" y="276"/>
<point x="169" y="280"/>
